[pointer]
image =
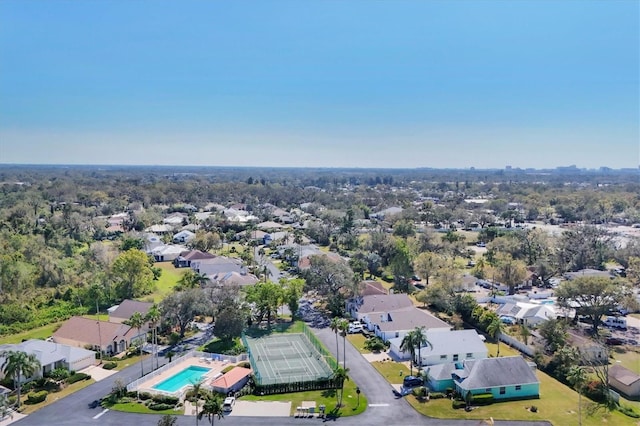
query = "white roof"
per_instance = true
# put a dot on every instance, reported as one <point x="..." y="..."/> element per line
<point x="49" y="352"/>
<point x="446" y="342"/>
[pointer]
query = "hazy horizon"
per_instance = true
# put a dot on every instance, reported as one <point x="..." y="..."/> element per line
<point x="386" y="84"/>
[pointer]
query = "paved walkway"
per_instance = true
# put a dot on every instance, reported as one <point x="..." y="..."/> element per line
<point x="98" y="373"/>
<point x="261" y="409"/>
<point x="10" y="418"/>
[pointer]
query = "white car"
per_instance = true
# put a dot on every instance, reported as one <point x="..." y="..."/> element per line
<point x="355" y="327"/>
<point x="228" y="404"/>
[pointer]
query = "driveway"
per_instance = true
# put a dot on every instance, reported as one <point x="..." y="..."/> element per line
<point x="261" y="409"/>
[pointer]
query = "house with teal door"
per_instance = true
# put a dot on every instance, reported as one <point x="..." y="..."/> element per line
<point x="506" y="378"/>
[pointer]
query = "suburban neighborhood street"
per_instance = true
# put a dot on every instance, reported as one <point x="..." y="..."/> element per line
<point x="384" y="408"/>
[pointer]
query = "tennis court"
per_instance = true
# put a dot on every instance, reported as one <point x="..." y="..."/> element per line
<point x="286" y="358"/>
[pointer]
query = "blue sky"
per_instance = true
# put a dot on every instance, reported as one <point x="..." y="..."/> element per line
<point x="456" y="83"/>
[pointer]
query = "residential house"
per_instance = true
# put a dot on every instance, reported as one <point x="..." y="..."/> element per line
<point x="587" y="273"/>
<point x="591" y="352"/>
<point x="304" y="262"/>
<point x="218" y="266"/>
<point x="396" y="324"/>
<point x="175" y="219"/>
<point x="52" y="355"/>
<point x="183" y="236"/>
<point x="371" y="288"/>
<point x="110" y="337"/>
<point x="529" y="314"/>
<point x="625" y="381"/>
<point x="445" y="346"/>
<point x="185" y="258"/>
<point x="386" y="213"/>
<point x="506" y="378"/>
<point x="167" y="252"/>
<point x="364" y="305"/>
<point x="269" y="226"/>
<point x="123" y="312"/>
<point x="159" y="229"/>
<point x="234" y="278"/>
<point x="231" y="381"/>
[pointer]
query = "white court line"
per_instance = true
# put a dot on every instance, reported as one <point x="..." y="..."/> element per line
<point x="97" y="416"/>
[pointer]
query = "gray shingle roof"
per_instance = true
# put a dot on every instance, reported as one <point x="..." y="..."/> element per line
<point x="384" y="303"/>
<point x="128" y="307"/>
<point x="406" y="319"/>
<point x="453" y="342"/>
<point x="493" y="372"/>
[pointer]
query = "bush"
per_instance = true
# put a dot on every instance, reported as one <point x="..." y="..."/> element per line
<point x="59" y="374"/>
<point x="228" y="368"/>
<point x="374" y="344"/>
<point x="533" y="409"/>
<point x="165" y="399"/>
<point x="109" y="365"/>
<point x="419" y="392"/>
<point x="629" y="411"/>
<point x="436" y="395"/>
<point x="482" y="399"/>
<point x="160" y="407"/>
<point x="145" y="396"/>
<point x="245" y="364"/>
<point x="36" y="397"/>
<point x="455" y="404"/>
<point x="76" y="377"/>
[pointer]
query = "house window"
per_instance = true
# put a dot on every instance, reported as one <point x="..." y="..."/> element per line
<point x="397" y="334"/>
<point x="488" y="390"/>
<point x="469" y="355"/>
<point x="503" y="390"/>
<point x="518" y="387"/>
<point x="443" y="357"/>
<point x="455" y="357"/>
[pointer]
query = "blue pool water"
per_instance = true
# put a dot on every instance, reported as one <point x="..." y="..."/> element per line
<point x="547" y="302"/>
<point x="185" y="377"/>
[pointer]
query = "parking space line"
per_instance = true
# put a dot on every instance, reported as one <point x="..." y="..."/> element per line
<point x="97" y="416"/>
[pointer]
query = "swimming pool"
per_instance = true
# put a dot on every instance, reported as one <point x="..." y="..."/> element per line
<point x="188" y="376"/>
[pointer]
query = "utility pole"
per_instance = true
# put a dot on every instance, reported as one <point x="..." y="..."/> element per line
<point x="99" y="333"/>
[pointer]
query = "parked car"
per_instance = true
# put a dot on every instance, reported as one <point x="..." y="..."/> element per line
<point x="355" y="327"/>
<point x="412" y="381"/>
<point x="614" y="341"/>
<point x="228" y="403"/>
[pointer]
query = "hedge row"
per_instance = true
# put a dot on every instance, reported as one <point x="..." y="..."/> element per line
<point x="109" y="365"/>
<point x="160" y="407"/>
<point x="78" y="377"/>
<point x="36" y="397"/>
<point x="482" y="399"/>
<point x="165" y="399"/>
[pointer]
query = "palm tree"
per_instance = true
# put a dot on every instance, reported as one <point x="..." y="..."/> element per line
<point x="170" y="354"/>
<point x="577" y="377"/>
<point x="196" y="395"/>
<point x="525" y="333"/>
<point x="494" y="329"/>
<point x="341" y="374"/>
<point x="212" y="408"/>
<point x="343" y="325"/>
<point x="408" y="345"/>
<point x="420" y="340"/>
<point x="153" y="316"/>
<point x="18" y="364"/>
<point x="137" y="321"/>
<point x="335" y="327"/>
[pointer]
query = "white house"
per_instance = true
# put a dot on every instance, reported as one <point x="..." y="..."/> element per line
<point x="53" y="355"/>
<point x="529" y="314"/>
<point x="445" y="346"/>
<point x="183" y="237"/>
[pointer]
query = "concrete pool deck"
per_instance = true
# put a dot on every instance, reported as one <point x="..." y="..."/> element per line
<point x="214" y="366"/>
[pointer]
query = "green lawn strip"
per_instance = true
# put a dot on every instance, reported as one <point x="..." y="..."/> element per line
<point x="54" y="396"/>
<point x="135" y="407"/>
<point x="392" y="371"/>
<point x="122" y="364"/>
<point x="37" y="333"/>
<point x="357" y="340"/>
<point x="628" y="356"/>
<point x="350" y="406"/>
<point x="168" y="279"/>
<point x="557" y="404"/>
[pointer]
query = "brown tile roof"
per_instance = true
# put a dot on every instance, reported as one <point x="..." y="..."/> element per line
<point x="370" y="288"/>
<point x="129" y="307"/>
<point x="196" y="255"/>
<point x="231" y="377"/>
<point x="85" y="330"/>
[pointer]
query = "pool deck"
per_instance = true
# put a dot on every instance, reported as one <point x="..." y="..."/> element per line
<point x="214" y="366"/>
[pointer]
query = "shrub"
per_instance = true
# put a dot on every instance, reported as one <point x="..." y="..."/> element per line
<point x="533" y="409"/>
<point x="109" y="365"/>
<point x="449" y="392"/>
<point x="165" y="399"/>
<point x="160" y="407"/>
<point x="482" y="399"/>
<point x="78" y="377"/>
<point x="436" y="395"/>
<point x="245" y="364"/>
<point x="455" y="404"/>
<point x="629" y="411"/>
<point x="59" y="374"/>
<point x="419" y="392"/>
<point x="374" y="344"/>
<point x="29" y="386"/>
<point x="228" y="368"/>
<point x="145" y="396"/>
<point x="36" y="397"/>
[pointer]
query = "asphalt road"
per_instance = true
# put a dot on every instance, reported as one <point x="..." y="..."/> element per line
<point x="386" y="410"/>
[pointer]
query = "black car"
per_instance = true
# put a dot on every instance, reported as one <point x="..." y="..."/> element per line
<point x="411" y="381"/>
<point x="614" y="341"/>
<point x="94" y="403"/>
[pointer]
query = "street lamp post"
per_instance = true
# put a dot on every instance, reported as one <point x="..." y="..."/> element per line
<point x="358" y="393"/>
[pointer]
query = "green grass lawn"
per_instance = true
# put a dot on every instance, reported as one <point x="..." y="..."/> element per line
<point x="37" y="333"/>
<point x="350" y="406"/>
<point x="392" y="371"/>
<point x="628" y="356"/>
<point x="134" y="407"/>
<point x="168" y="279"/>
<point x="122" y="364"/>
<point x="357" y="340"/>
<point x="55" y="396"/>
